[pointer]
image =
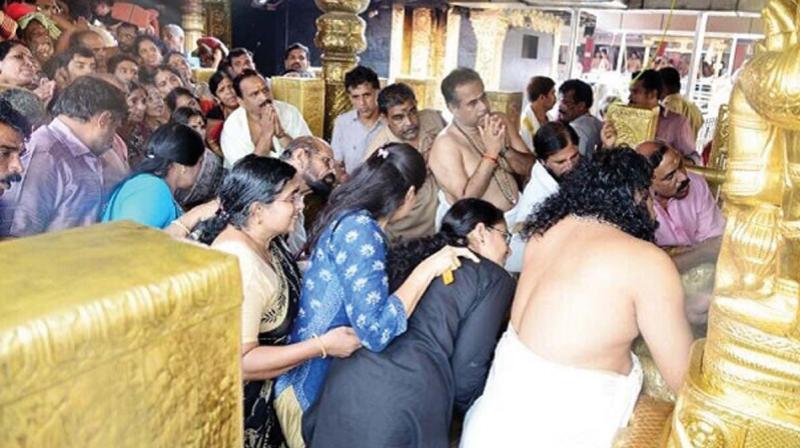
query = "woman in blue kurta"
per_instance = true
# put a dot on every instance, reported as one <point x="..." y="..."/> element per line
<point x="347" y="283"/>
<point x="172" y="161"/>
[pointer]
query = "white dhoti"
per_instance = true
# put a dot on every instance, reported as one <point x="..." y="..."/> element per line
<point x="532" y="402"/>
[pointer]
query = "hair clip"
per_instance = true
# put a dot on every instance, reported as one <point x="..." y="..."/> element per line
<point x="150" y="156"/>
<point x="383" y="153"/>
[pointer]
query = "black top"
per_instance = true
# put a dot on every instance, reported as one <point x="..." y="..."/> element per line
<point x="404" y="396"/>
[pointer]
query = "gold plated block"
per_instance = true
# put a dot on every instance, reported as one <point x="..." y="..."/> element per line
<point x="307" y="95"/>
<point x="424" y="89"/>
<point x="633" y="125"/>
<point x="509" y="103"/>
<point x="117" y="335"/>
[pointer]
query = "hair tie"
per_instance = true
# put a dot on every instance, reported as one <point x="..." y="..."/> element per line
<point x="223" y="214"/>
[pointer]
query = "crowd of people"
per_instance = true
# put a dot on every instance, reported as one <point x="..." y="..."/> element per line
<point x="379" y="270"/>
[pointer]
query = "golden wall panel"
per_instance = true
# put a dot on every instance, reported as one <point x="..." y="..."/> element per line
<point x="425" y="89"/>
<point x="509" y="103"/>
<point x="633" y="125"/>
<point x="117" y="335"/>
<point x="307" y="95"/>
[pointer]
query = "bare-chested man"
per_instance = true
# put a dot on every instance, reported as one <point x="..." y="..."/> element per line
<point x="474" y="157"/>
<point x="403" y="123"/>
<point x="592" y="281"/>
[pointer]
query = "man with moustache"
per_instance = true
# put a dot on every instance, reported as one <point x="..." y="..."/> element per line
<point x="14" y="130"/>
<point x="312" y="157"/>
<point x="575" y="101"/>
<point x="403" y="123"/>
<point x="296" y="60"/>
<point x="64" y="180"/>
<point x="685" y="208"/>
<point x="690" y="225"/>
<point x="475" y="156"/>
<point x="262" y="125"/>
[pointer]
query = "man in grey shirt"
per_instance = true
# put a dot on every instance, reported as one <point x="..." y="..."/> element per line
<point x="575" y="100"/>
<point x="353" y="130"/>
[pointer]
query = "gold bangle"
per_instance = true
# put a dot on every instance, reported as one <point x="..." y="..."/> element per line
<point x="182" y="226"/>
<point x="321" y="345"/>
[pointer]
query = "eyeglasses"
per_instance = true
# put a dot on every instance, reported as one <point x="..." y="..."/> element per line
<point x="506" y="235"/>
<point x="296" y="199"/>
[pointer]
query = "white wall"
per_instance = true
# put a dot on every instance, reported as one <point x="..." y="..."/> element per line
<point x="517" y="71"/>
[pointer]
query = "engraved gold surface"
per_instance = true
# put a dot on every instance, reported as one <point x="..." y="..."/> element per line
<point x="307" y="95"/>
<point x="422" y="43"/>
<point x="743" y="386"/>
<point x="340" y="36"/>
<point x="218" y="20"/>
<point x="714" y="171"/>
<point x="425" y="90"/>
<point x="509" y="103"/>
<point x="116" y="335"/>
<point x="634" y="125"/>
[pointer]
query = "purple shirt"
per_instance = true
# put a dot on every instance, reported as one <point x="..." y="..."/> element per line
<point x="690" y="220"/>
<point x="676" y="131"/>
<point x="62" y="186"/>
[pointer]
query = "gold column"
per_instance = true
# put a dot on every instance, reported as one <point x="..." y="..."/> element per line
<point x="218" y="20"/>
<point x="421" y="42"/>
<point x="490" y="31"/>
<point x="452" y="37"/>
<point x="193" y="23"/>
<point x="398" y="28"/>
<point x="340" y="36"/>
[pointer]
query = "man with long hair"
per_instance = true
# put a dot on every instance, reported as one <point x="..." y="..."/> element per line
<point x="592" y="281"/>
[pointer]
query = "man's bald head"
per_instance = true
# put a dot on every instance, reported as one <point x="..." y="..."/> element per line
<point x="311" y="156"/>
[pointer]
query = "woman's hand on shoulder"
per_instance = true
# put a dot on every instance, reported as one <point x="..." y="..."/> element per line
<point x="447" y="259"/>
<point x="340" y="342"/>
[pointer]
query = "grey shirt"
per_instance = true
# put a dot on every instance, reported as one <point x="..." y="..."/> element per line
<point x="350" y="139"/>
<point x="588" y="129"/>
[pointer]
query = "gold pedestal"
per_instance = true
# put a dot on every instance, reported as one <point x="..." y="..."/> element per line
<point x="425" y="90"/>
<point x="509" y="103"/>
<point x="307" y="95"/>
<point x="118" y="336"/>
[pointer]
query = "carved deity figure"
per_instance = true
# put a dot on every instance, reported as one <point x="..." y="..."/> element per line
<point x="743" y="386"/>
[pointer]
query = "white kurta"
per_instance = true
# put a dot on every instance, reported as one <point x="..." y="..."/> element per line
<point x="237" y="142"/>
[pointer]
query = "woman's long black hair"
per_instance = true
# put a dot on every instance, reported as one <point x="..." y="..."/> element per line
<point x="605" y="188"/>
<point x="378" y="186"/>
<point x="252" y="179"/>
<point x="170" y="143"/>
<point x="459" y="221"/>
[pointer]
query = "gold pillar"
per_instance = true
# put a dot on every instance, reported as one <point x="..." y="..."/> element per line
<point x="307" y="95"/>
<point x="194" y="23"/>
<point x="218" y="20"/>
<point x="490" y="31"/>
<point x="452" y="38"/>
<point x="421" y="42"/>
<point x="340" y="36"/>
<point x="398" y="28"/>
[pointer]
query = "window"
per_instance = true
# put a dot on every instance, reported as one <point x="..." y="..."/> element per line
<point x="530" y="47"/>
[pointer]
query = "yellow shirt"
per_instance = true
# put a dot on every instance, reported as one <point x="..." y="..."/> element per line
<point x="680" y="105"/>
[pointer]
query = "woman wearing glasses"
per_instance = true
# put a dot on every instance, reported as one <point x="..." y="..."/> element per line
<point x="259" y="203"/>
<point x="406" y="395"/>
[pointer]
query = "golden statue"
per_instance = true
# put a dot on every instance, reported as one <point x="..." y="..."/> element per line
<point x="743" y="386"/>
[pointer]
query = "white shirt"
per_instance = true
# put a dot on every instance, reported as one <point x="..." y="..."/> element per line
<point x="528" y="127"/>
<point x="540" y="187"/>
<point x="237" y="142"/>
